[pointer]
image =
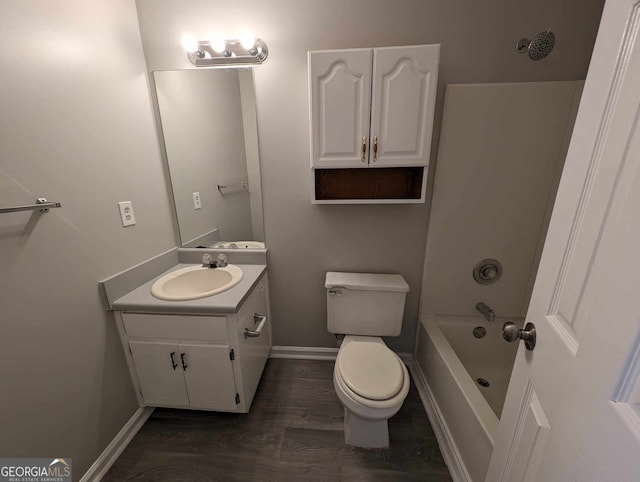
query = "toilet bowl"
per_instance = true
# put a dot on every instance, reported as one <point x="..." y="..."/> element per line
<point x="371" y="382"/>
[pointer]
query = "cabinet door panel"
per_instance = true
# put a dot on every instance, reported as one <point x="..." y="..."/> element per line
<point x="160" y="383"/>
<point x="340" y="89"/>
<point x="403" y="103"/>
<point x="209" y="376"/>
<point x="254" y="351"/>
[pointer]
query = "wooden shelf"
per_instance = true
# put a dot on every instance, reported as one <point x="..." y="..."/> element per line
<point x="385" y="184"/>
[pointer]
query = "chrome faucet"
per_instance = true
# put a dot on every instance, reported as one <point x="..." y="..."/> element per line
<point x="486" y="311"/>
<point x="220" y="261"/>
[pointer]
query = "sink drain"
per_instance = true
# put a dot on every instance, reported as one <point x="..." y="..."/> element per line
<point x="482" y="382"/>
<point x="479" y="331"/>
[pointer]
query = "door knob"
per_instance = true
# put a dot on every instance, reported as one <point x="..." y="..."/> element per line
<point x="511" y="332"/>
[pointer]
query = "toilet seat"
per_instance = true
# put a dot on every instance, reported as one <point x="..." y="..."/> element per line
<point x="369" y="369"/>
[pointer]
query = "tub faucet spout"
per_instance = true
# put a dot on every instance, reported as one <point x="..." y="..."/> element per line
<point x="486" y="311"/>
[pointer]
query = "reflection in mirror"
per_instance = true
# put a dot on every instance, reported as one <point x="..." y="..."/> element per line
<point x="208" y="120"/>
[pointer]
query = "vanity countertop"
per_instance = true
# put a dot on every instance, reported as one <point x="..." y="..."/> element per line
<point x="141" y="299"/>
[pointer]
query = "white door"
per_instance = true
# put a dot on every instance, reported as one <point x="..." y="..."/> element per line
<point x="208" y="373"/>
<point x="572" y="411"/>
<point x="402" y="104"/>
<point x="159" y="373"/>
<point x="340" y="90"/>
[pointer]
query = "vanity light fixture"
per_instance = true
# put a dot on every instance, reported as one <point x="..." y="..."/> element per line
<point x="217" y="51"/>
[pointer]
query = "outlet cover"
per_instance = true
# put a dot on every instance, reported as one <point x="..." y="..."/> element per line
<point x="126" y="213"/>
<point x="196" y="200"/>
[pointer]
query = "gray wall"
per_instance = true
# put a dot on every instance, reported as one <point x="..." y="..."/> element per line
<point x="304" y="240"/>
<point x="76" y="127"/>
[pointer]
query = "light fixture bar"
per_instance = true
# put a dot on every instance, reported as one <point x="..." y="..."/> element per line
<point x="235" y="54"/>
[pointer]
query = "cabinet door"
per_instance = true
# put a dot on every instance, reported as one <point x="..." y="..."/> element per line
<point x="160" y="382"/>
<point x="340" y="90"/>
<point x="208" y="373"/>
<point x="254" y="351"/>
<point x="403" y="102"/>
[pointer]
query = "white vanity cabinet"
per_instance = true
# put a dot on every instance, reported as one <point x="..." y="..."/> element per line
<point x="372" y="107"/>
<point x="199" y="361"/>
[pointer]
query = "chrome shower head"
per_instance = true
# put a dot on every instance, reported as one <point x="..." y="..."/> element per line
<point x="539" y="47"/>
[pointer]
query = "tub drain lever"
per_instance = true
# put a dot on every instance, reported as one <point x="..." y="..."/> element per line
<point x="511" y="332"/>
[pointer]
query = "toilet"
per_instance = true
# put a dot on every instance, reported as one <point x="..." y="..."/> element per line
<point x="370" y="380"/>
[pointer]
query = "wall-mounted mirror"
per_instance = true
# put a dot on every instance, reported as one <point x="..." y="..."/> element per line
<point x="208" y="119"/>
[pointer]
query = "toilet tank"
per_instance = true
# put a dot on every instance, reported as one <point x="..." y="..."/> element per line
<point x="365" y="303"/>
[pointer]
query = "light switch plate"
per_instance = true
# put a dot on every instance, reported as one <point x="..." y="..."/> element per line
<point x="126" y="213"/>
<point x="196" y="200"/>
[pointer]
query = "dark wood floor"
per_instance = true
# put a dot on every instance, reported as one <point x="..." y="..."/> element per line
<point x="293" y="432"/>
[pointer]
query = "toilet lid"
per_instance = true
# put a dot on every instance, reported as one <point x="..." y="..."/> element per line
<point x="370" y="370"/>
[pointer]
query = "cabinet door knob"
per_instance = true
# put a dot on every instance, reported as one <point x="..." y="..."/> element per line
<point x="364" y="148"/>
<point x="173" y="362"/>
<point x="184" y="365"/>
<point x="375" y="148"/>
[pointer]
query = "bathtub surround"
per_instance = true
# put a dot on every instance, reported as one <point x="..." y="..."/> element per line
<point x="503" y="145"/>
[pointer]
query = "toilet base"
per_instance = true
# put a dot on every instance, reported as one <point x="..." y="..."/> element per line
<point x="365" y="433"/>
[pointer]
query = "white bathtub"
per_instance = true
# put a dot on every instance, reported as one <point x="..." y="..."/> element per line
<point x="450" y="360"/>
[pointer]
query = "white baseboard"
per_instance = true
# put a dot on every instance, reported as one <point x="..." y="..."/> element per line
<point x="407" y="358"/>
<point x="316" y="353"/>
<point x="448" y="447"/>
<point x="304" y="352"/>
<point x="108" y="457"/>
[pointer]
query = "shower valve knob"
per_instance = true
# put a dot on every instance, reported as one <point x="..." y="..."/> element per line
<point x="489" y="272"/>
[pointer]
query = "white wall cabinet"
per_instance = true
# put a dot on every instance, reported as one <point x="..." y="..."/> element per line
<point x="372" y="107"/>
<point x="199" y="361"/>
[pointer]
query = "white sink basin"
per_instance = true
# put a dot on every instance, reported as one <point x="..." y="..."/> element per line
<point x="196" y="282"/>
<point x="239" y="245"/>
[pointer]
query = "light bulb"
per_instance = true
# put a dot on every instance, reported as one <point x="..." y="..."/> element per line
<point x="218" y="44"/>
<point x="189" y="43"/>
<point x="247" y="40"/>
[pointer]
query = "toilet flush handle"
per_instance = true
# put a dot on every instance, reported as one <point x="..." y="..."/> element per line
<point x="255" y="333"/>
<point x="335" y="291"/>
